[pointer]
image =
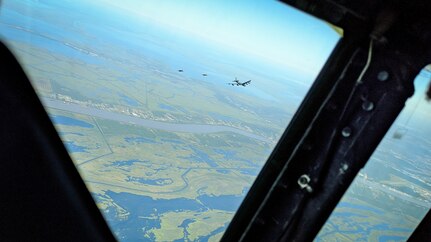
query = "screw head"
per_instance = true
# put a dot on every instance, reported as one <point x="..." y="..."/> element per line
<point x="367" y="105"/>
<point x="383" y="76"/>
<point x="345" y="167"/>
<point x="346" y="132"/>
<point x="303" y="180"/>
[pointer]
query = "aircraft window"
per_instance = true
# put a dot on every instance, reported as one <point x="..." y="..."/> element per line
<point x="392" y="193"/>
<point x="168" y="109"/>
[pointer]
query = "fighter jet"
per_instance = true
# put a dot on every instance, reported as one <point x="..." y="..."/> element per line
<point x="204" y="74"/>
<point x="180" y="70"/>
<point x="236" y="82"/>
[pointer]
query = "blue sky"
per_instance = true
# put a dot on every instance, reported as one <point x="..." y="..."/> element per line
<point x="267" y="29"/>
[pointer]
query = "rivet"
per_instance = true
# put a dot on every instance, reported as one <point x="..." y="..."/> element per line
<point x="346" y="132"/>
<point x="345" y="167"/>
<point x="367" y="105"/>
<point x="383" y="76"/>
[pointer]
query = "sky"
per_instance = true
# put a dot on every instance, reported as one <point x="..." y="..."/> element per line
<point x="267" y="29"/>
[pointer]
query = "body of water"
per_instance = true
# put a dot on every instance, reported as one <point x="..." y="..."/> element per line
<point x="143" y="208"/>
<point x="223" y="202"/>
<point x="166" y="107"/>
<point x="126" y="162"/>
<point x="201" y="156"/>
<point x="139" y="140"/>
<point x="72" y="147"/>
<point x="360" y="207"/>
<point x="153" y="182"/>
<point x="172" y="127"/>
<point x="63" y="120"/>
<point x="129" y="101"/>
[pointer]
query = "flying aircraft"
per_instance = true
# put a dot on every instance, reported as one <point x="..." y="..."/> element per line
<point x="180" y="70"/>
<point x="428" y="94"/>
<point x="236" y="82"/>
<point x="204" y="74"/>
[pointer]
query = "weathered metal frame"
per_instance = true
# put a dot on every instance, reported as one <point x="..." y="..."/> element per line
<point x="345" y="115"/>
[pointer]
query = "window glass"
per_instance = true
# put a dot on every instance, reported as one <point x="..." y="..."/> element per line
<point x="392" y="193"/>
<point x="169" y="108"/>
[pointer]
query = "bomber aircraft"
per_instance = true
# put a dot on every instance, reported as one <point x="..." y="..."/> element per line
<point x="236" y="82"/>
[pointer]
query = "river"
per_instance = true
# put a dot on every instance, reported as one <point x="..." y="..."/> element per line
<point x="147" y="123"/>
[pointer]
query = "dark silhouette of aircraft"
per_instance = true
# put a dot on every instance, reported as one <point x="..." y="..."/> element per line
<point x="204" y="74"/>
<point x="180" y="70"/>
<point x="428" y="94"/>
<point x="236" y="82"/>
